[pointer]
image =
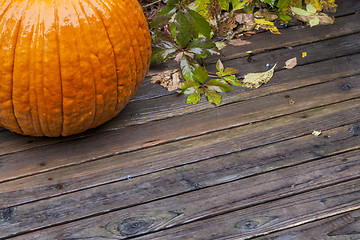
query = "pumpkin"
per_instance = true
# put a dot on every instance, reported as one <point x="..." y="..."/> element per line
<point x="69" y="65"/>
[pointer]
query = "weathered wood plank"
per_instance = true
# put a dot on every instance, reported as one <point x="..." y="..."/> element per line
<point x="190" y="150"/>
<point x="188" y="125"/>
<point x="272" y="216"/>
<point x="340" y="227"/>
<point x="202" y="174"/>
<point x="154" y="109"/>
<point x="140" y="112"/>
<point x="199" y="204"/>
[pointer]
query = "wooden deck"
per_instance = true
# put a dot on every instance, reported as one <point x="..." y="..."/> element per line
<point x="249" y="168"/>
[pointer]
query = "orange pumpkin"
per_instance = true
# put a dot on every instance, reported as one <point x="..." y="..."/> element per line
<point x="69" y="65"/>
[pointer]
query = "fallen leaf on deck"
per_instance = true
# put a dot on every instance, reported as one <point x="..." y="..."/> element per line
<point x="316" y="133"/>
<point x="291" y="63"/>
<point x="262" y="23"/>
<point x="169" y="79"/>
<point x="238" y="42"/>
<point x="220" y="45"/>
<point x="304" y="54"/>
<point x="255" y="80"/>
<point x="311" y="17"/>
<point x="323" y="5"/>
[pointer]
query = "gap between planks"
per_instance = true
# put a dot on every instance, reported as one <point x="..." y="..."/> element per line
<point x="207" y="203"/>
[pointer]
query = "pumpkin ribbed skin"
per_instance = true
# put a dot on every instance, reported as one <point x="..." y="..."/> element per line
<point x="69" y="65"/>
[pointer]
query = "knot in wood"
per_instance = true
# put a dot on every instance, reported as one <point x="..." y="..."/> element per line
<point x="134" y="225"/>
<point x="345" y="87"/>
<point x="255" y="222"/>
<point x="7" y="213"/>
<point x="248" y="224"/>
<point x="355" y="129"/>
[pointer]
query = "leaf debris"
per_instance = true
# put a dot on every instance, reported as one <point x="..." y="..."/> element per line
<point x="255" y="80"/>
<point x="290" y="63"/>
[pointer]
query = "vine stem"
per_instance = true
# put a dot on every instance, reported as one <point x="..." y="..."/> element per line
<point x="150" y="4"/>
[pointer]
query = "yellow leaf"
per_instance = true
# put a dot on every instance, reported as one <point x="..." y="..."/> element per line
<point x="323" y="5"/>
<point x="304" y="54"/>
<point x="255" y="80"/>
<point x="316" y="133"/>
<point x="262" y="23"/>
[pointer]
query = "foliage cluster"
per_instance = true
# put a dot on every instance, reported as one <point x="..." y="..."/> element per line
<point x="183" y="30"/>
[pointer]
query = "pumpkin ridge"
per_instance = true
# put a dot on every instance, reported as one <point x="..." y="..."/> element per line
<point x="56" y="16"/>
<point x="116" y="19"/>
<point x="6" y="8"/>
<point x="92" y="67"/>
<point x="137" y="12"/>
<point x="100" y="120"/>
<point x="14" y="56"/>
<point x="22" y="75"/>
<point x="135" y="54"/>
<point x="44" y="125"/>
<point x="37" y="129"/>
<point x="82" y="125"/>
<point x="112" y="47"/>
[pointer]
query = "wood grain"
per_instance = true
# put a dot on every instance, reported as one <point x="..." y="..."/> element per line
<point x="340" y="227"/>
<point x="153" y="133"/>
<point x="190" y="150"/>
<point x="234" y="115"/>
<point x="208" y="202"/>
<point x="272" y="216"/>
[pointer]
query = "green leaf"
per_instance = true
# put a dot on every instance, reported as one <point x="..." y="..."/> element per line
<point x="271" y="2"/>
<point x="187" y="68"/>
<point x="220" y="45"/>
<point x="224" y="4"/>
<point x="232" y="80"/>
<point x="212" y="96"/>
<point x="164" y="15"/>
<point x="202" y="47"/>
<point x="300" y="11"/>
<point x="163" y="51"/>
<point x="315" y="21"/>
<point x="219" y="66"/>
<point x="198" y="23"/>
<point x="286" y="18"/>
<point x="230" y="71"/>
<point x="283" y="4"/>
<point x="200" y="74"/>
<point x="237" y="4"/>
<point x="194" y="97"/>
<point x="310" y="8"/>
<point x="189" y="87"/>
<point x="218" y="85"/>
<point x="180" y="30"/>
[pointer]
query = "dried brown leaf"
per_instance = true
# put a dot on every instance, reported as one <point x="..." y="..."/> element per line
<point x="238" y="42"/>
<point x="169" y="79"/>
<point x="323" y="18"/>
<point x="291" y="63"/>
